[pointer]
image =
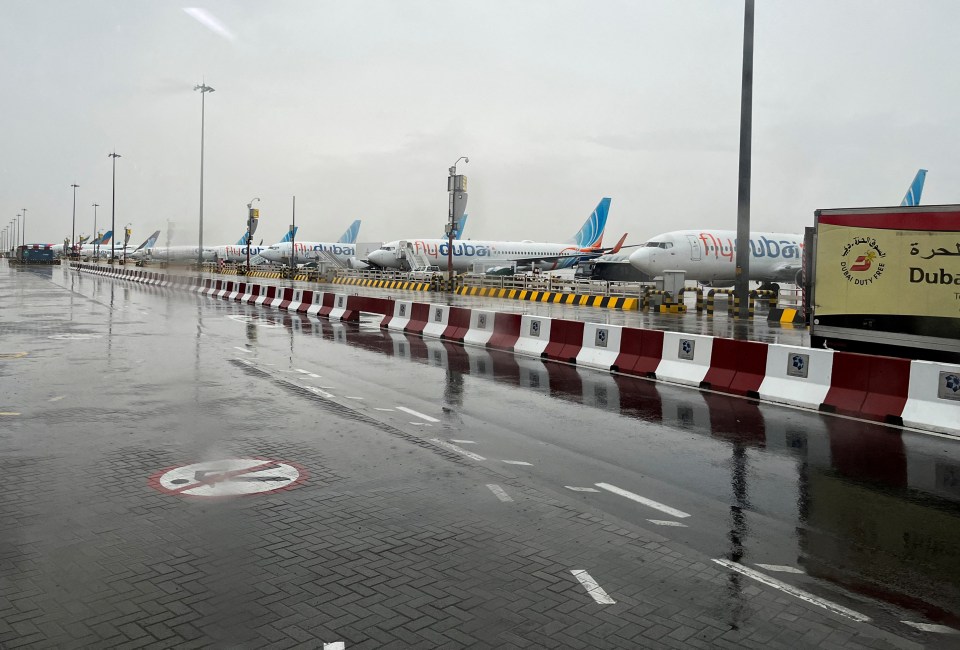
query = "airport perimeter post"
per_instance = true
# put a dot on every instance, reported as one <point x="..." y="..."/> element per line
<point x="455" y="184"/>
<point x="742" y="285"/>
<point x="204" y="89"/>
<point x="113" y="208"/>
<point x="73" y="228"/>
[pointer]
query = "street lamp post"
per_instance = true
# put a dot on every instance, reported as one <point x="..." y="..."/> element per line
<point x="16" y="231"/>
<point x="204" y="89"/>
<point x="73" y="227"/>
<point x="23" y="229"/>
<point x="113" y="208"/>
<point x="96" y="235"/>
<point x="451" y="225"/>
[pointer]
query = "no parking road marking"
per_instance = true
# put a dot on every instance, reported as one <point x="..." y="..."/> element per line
<point x="228" y="477"/>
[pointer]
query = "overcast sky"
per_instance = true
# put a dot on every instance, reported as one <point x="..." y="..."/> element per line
<point x="359" y="107"/>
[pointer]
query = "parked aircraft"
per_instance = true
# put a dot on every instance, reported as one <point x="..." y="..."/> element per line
<point x="314" y="251"/>
<point x="709" y="256"/>
<point x="527" y="254"/>
<point x="238" y="252"/>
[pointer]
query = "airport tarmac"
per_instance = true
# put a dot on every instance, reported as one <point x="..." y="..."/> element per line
<point x="183" y="471"/>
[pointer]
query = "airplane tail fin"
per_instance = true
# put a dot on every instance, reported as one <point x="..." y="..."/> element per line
<point x="289" y="236"/>
<point x="149" y="242"/>
<point x="912" y="197"/>
<point x="243" y="240"/>
<point x="350" y="236"/>
<point x="591" y="233"/>
<point x="106" y="238"/>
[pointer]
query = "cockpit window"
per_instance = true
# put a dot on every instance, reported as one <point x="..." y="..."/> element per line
<point x="659" y="244"/>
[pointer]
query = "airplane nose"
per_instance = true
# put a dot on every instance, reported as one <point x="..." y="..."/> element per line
<point x="376" y="257"/>
<point x="638" y="259"/>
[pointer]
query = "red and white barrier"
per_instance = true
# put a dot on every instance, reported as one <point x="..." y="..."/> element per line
<point x="866" y="386"/>
<point x="251" y="294"/>
<point x="239" y="288"/>
<point x="286" y="297"/>
<point x="480" y="329"/>
<point x="315" y="304"/>
<point x="225" y="287"/>
<point x="458" y="324"/>
<point x="796" y="376"/>
<point x="736" y="367"/>
<point x="306" y="301"/>
<point x="600" y="346"/>
<point x="506" y="331"/>
<point x="686" y="358"/>
<point x="566" y="341"/>
<point x="437" y="321"/>
<point x="268" y="292"/>
<point x="398" y="320"/>
<point x="933" y="401"/>
<point x="534" y="335"/>
<point x="640" y="352"/>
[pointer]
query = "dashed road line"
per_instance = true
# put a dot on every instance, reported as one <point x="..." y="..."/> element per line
<point x="336" y="645"/>
<point x="463" y="442"/>
<point x="447" y="445"/>
<point x="500" y="492"/>
<point x="242" y="349"/>
<point x="794" y="591"/>
<point x="596" y="591"/>
<point x="12" y="355"/>
<point x="8" y="413"/>
<point x="780" y="568"/>
<point x="931" y="627"/>
<point x="421" y="424"/>
<point x="517" y="462"/>
<point x="656" y="505"/>
<point x="664" y="522"/>
<point x="580" y="489"/>
<point x="56" y="399"/>
<point x="417" y="414"/>
<point x="349" y="397"/>
<point x="377" y="408"/>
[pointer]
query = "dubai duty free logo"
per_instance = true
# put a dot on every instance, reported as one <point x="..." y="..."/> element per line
<point x="862" y="261"/>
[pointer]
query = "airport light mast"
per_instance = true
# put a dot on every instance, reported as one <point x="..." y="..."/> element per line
<point x="204" y="89"/>
<point x="253" y="217"/>
<point x="23" y="229"/>
<point x="73" y="228"/>
<point x="113" y="207"/>
<point x="457" y="187"/>
<point x="96" y="235"/>
<point x="742" y="285"/>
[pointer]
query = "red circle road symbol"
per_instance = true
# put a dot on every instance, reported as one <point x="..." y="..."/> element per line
<point x="229" y="477"/>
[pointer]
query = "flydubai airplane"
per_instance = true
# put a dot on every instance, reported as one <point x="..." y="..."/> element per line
<point x="709" y="256"/>
<point x="311" y="251"/>
<point x="238" y="252"/>
<point x="545" y="256"/>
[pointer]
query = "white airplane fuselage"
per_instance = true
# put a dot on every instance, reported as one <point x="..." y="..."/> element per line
<point x="308" y="251"/>
<point x="709" y="256"/>
<point x="466" y="252"/>
<point x="236" y="252"/>
<point x="175" y="253"/>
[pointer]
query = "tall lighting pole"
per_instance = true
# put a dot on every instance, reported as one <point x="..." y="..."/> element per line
<point x="113" y="208"/>
<point x="204" y="89"/>
<point x="454" y="184"/>
<point x="73" y="228"/>
<point x="252" y="221"/>
<point x="742" y="285"/>
<point x="16" y="231"/>
<point x="96" y="236"/>
<point x="23" y="229"/>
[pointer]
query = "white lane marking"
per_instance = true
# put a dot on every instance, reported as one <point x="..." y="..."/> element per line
<point x="302" y="371"/>
<point x="242" y="349"/>
<point x="313" y="376"/>
<point x="782" y="568"/>
<point x="793" y="591"/>
<point x="464" y="442"/>
<point x="517" y="462"/>
<point x="417" y="414"/>
<point x="500" y="492"/>
<point x="377" y="408"/>
<point x="931" y="627"/>
<point x="580" y="489"/>
<point x="663" y="522"/>
<point x="348" y="397"/>
<point x="468" y="454"/>
<point x="8" y="413"/>
<point x="56" y="399"/>
<point x="421" y="424"/>
<point x="317" y="391"/>
<point x="596" y="591"/>
<point x="336" y="645"/>
<point x="645" y="501"/>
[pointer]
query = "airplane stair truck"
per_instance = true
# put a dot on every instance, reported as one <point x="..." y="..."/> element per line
<point x="414" y="260"/>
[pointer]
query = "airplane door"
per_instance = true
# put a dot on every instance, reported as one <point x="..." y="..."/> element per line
<point x="694" y="248"/>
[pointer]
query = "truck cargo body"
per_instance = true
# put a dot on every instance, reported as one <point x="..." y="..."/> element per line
<point x="887" y="281"/>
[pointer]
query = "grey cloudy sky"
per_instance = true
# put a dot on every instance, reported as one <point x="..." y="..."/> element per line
<point x="359" y="107"/>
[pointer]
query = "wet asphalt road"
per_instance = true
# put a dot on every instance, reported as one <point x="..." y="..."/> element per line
<point x="868" y="515"/>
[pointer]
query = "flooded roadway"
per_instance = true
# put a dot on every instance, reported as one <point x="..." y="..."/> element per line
<point x="861" y="515"/>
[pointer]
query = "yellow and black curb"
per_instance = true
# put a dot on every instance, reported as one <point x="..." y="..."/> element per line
<point x="786" y="315"/>
<point x="612" y="302"/>
<point x="385" y="284"/>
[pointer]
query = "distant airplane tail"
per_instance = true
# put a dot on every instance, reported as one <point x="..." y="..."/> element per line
<point x="288" y="237"/>
<point x="243" y="240"/>
<point x="350" y="236"/>
<point x="105" y="239"/>
<point x="591" y="233"/>
<point x="912" y="197"/>
<point x="150" y="242"/>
